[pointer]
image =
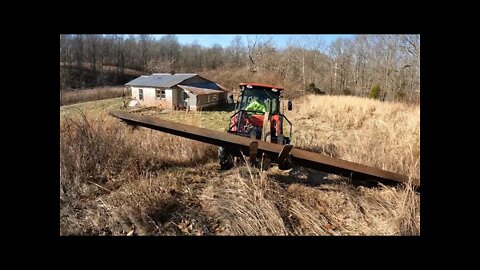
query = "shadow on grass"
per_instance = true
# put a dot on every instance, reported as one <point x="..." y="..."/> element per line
<point x="223" y="107"/>
<point x="314" y="178"/>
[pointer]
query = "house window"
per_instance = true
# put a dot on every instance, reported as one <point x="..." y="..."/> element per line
<point x="160" y="94"/>
<point x="140" y="94"/>
<point x="215" y="96"/>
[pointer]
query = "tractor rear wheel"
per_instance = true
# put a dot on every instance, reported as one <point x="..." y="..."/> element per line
<point x="225" y="158"/>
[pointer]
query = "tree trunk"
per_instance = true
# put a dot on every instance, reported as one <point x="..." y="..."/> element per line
<point x="303" y="70"/>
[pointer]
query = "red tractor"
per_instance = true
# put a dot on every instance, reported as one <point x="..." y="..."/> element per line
<point x="258" y="116"/>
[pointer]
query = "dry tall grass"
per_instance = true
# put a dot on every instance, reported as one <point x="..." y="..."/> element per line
<point x="253" y="204"/>
<point x="370" y="132"/>
<point x="98" y="155"/>
<point x="77" y="96"/>
<point x="247" y="205"/>
<point x="380" y="134"/>
<point x="115" y="180"/>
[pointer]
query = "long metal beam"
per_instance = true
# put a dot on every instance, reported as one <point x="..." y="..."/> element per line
<point x="299" y="157"/>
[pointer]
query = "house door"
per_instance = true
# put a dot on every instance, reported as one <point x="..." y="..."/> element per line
<point x="185" y="99"/>
<point x="140" y="94"/>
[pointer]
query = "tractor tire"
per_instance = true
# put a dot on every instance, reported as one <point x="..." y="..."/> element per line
<point x="225" y="159"/>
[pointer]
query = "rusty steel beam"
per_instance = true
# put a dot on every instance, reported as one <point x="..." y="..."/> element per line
<point x="299" y="157"/>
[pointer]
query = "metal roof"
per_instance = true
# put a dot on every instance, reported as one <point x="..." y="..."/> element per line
<point x="161" y="79"/>
<point x="199" y="90"/>
<point x="208" y="85"/>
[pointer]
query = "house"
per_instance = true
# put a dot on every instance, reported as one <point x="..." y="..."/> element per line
<point x="177" y="90"/>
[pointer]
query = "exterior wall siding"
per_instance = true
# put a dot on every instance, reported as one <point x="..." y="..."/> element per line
<point x="178" y="94"/>
<point x="192" y="100"/>
<point x="174" y="97"/>
<point x="203" y="99"/>
<point x="149" y="97"/>
<point x="134" y="93"/>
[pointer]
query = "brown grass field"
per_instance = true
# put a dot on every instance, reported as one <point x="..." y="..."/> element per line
<point x="78" y="96"/>
<point x="115" y="180"/>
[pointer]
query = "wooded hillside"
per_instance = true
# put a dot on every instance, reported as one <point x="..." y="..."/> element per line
<point x="380" y="66"/>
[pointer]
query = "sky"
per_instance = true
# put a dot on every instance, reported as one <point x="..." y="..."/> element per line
<point x="281" y="41"/>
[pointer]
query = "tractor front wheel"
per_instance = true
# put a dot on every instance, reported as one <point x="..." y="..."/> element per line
<point x="225" y="158"/>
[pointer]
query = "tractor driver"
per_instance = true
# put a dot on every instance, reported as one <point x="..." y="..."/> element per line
<point x="256" y="105"/>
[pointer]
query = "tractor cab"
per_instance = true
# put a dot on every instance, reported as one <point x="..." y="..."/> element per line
<point x="259" y="98"/>
<point x="258" y="113"/>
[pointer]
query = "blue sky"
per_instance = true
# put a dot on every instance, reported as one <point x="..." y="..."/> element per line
<point x="208" y="40"/>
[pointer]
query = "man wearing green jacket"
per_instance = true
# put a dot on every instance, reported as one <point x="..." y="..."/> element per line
<point x="257" y="106"/>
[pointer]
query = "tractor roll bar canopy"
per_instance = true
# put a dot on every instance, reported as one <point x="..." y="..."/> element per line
<point x="262" y="86"/>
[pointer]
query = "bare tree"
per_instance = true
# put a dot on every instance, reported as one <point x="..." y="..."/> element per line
<point x="255" y="49"/>
<point x="160" y="65"/>
<point x="346" y="65"/>
<point x="236" y="48"/>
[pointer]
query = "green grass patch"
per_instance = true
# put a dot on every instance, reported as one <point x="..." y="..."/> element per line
<point x="98" y="106"/>
<point x="215" y="120"/>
